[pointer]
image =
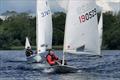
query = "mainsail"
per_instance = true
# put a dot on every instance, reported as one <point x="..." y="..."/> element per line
<point x="27" y="43"/>
<point x="81" y="30"/>
<point x="44" y="26"/>
<point x="100" y="28"/>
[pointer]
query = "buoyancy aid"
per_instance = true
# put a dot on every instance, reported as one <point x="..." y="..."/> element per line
<point x="51" y="59"/>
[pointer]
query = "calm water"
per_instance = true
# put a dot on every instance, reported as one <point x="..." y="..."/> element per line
<point x="13" y="66"/>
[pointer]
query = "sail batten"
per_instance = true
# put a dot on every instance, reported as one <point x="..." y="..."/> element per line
<point x="81" y="30"/>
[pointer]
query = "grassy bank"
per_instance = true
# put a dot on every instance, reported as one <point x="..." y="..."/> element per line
<point x="56" y="47"/>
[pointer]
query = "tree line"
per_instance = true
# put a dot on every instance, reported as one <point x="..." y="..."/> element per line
<point x="17" y="26"/>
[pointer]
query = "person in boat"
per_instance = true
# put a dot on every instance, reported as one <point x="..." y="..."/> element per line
<point x="29" y="52"/>
<point x="52" y="59"/>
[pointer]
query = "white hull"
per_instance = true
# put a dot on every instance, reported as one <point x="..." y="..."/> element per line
<point x="36" y="58"/>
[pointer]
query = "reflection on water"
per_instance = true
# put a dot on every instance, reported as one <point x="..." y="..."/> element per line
<point x="13" y="66"/>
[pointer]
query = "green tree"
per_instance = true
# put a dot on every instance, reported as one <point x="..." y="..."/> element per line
<point x="16" y="27"/>
<point x="58" y="28"/>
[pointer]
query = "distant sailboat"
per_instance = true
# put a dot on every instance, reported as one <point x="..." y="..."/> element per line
<point x="43" y="30"/>
<point x="27" y="43"/>
<point x="81" y="31"/>
<point x="100" y="28"/>
<point x="34" y="57"/>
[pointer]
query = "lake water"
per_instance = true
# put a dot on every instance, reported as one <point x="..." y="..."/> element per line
<point x="13" y="66"/>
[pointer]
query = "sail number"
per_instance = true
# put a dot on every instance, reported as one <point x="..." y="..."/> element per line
<point x="87" y="16"/>
<point x="45" y="13"/>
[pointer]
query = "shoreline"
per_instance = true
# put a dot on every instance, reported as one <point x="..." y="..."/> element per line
<point x="55" y="47"/>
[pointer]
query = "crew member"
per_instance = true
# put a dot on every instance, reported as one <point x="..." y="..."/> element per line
<point x="52" y="59"/>
<point x="29" y="52"/>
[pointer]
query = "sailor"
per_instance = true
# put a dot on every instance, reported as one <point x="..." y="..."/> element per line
<point x="52" y="59"/>
<point x="29" y="52"/>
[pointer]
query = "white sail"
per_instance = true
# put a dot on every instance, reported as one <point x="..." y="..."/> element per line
<point x="44" y="26"/>
<point x="27" y="43"/>
<point x="81" y="30"/>
<point x="100" y="29"/>
<point x="48" y="28"/>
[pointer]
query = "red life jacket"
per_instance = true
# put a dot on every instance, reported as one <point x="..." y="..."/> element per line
<point x="51" y="59"/>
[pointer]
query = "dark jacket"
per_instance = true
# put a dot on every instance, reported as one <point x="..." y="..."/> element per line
<point x="29" y="52"/>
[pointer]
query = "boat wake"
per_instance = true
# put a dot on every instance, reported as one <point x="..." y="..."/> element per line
<point x="48" y="70"/>
<point x="34" y="66"/>
<point x="15" y="61"/>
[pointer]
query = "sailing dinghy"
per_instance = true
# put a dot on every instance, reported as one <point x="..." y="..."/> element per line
<point x="27" y="43"/>
<point x="33" y="58"/>
<point x="81" y="31"/>
<point x="43" y="30"/>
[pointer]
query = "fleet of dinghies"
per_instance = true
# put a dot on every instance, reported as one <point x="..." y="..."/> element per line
<point x="83" y="35"/>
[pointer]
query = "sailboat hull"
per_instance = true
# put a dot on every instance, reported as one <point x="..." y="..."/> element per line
<point x="64" y="69"/>
<point x="34" y="58"/>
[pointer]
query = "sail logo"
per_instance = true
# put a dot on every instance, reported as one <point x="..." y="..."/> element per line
<point x="87" y="16"/>
<point x="44" y="45"/>
<point x="45" y="13"/>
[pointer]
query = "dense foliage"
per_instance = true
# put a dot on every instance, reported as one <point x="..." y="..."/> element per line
<point x="17" y="26"/>
<point x="111" y="34"/>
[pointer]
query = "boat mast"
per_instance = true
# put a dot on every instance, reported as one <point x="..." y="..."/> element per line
<point x="63" y="57"/>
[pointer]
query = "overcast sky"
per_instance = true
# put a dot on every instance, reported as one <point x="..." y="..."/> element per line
<point x="30" y="5"/>
<point x="26" y="5"/>
<point x="17" y="5"/>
